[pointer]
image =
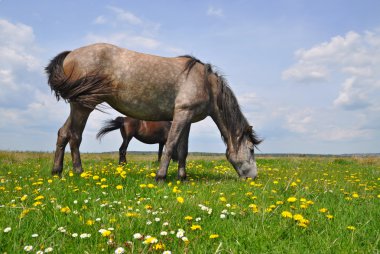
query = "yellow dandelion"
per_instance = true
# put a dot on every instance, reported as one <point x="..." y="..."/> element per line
<point x="39" y="197"/>
<point x="159" y="246"/>
<point x="329" y="216"/>
<point x="188" y="218"/>
<point x="106" y="233"/>
<point x="90" y="222"/>
<point x="153" y="174"/>
<point x="298" y="217"/>
<point x="223" y="199"/>
<point x="23" y="198"/>
<point x="355" y="195"/>
<point x="352" y="228"/>
<point x="213" y="236"/>
<point x="119" y="187"/>
<point x="180" y="200"/>
<point x="292" y="199"/>
<point x="287" y="214"/>
<point x="65" y="209"/>
<point x="323" y="210"/>
<point x="196" y="227"/>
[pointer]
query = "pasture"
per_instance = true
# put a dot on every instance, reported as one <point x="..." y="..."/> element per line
<point x="296" y="205"/>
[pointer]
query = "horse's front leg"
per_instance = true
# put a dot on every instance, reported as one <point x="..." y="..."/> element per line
<point x="180" y="123"/>
<point x="182" y="150"/>
<point x="79" y="116"/>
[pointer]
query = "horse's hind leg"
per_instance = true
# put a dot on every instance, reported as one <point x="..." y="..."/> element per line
<point x="78" y="116"/>
<point x="71" y="132"/>
<point x="123" y="150"/>
<point x="160" y="148"/>
<point x="62" y="140"/>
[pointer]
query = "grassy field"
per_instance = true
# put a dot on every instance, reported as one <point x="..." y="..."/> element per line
<point x="297" y="205"/>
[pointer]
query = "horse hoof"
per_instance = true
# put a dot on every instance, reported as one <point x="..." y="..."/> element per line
<point x="78" y="170"/>
<point x="160" y="178"/>
<point x="56" y="172"/>
<point x="182" y="178"/>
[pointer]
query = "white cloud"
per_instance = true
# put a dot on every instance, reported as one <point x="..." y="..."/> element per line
<point x="100" y="20"/>
<point x="354" y="59"/>
<point x="123" y="15"/>
<point x="124" y="40"/>
<point x="214" y="11"/>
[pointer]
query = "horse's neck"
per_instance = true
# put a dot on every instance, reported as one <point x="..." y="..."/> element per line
<point x="226" y="133"/>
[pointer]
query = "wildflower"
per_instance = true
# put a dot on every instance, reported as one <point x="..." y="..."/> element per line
<point x="159" y="246"/>
<point x="39" y="197"/>
<point x="292" y="199"/>
<point x="223" y="216"/>
<point x="65" y="210"/>
<point x="180" y="233"/>
<point x="153" y="174"/>
<point x="185" y="239"/>
<point x="62" y="229"/>
<point x="163" y="233"/>
<point x="95" y="177"/>
<point x="198" y="219"/>
<point x="352" y="228"/>
<point x="180" y="200"/>
<point x="196" y="227"/>
<point x="298" y="217"/>
<point x="151" y="186"/>
<point x="323" y="210"/>
<point x="39" y="252"/>
<point x="137" y="236"/>
<point x="213" y="236"/>
<point x="188" y="218"/>
<point x="74" y="235"/>
<point x="23" y="198"/>
<point x="35" y="235"/>
<point x="167" y="252"/>
<point x="119" y="187"/>
<point x="279" y="202"/>
<point x="254" y="208"/>
<point x="48" y="249"/>
<point x="105" y="232"/>
<point x="223" y="199"/>
<point x="90" y="222"/>
<point x="286" y="214"/>
<point x="85" y="235"/>
<point x="119" y="250"/>
<point x="150" y="239"/>
<point x="355" y="195"/>
<point x="329" y="216"/>
<point x="28" y="248"/>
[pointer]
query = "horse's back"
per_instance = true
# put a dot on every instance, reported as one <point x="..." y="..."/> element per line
<point x="144" y="86"/>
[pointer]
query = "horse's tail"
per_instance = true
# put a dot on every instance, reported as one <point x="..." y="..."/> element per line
<point x="88" y="91"/>
<point x="109" y="126"/>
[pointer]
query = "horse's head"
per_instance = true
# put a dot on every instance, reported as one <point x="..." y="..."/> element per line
<point x="242" y="156"/>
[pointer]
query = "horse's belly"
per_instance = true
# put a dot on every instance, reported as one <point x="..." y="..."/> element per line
<point x="143" y="107"/>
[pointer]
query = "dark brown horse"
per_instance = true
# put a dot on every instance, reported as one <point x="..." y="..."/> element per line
<point x="181" y="89"/>
<point x="147" y="132"/>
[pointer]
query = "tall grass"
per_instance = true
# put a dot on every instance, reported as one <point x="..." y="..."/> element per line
<point x="297" y="205"/>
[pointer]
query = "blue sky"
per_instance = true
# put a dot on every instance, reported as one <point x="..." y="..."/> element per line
<point x="306" y="73"/>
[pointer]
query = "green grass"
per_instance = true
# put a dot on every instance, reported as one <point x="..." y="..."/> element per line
<point x="246" y="216"/>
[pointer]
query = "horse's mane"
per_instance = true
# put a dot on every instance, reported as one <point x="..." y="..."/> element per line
<point x="227" y="103"/>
